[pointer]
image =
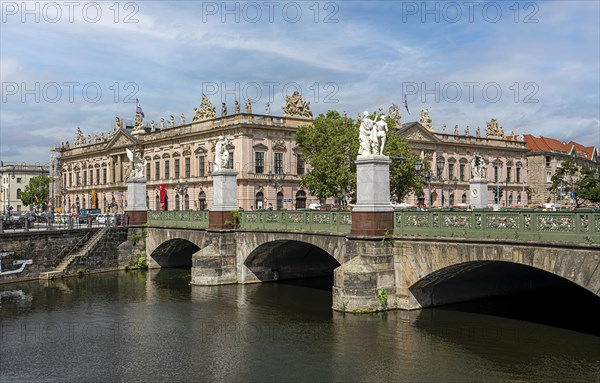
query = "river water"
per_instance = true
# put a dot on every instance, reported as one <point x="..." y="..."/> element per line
<point x="153" y="326"/>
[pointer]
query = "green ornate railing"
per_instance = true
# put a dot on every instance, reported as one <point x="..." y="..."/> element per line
<point x="308" y="220"/>
<point x="178" y="218"/>
<point x="526" y="225"/>
<point x="578" y="226"/>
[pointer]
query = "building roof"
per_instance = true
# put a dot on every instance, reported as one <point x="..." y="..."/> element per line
<point x="545" y="144"/>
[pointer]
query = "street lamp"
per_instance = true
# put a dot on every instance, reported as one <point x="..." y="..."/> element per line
<point x="276" y="181"/>
<point x="425" y="177"/>
<point x="440" y="174"/>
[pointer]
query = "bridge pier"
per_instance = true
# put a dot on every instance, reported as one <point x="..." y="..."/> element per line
<point x="215" y="263"/>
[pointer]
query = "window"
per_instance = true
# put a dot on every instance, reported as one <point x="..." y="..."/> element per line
<point x="259" y="200"/>
<point x="167" y="169"/>
<point x="462" y="172"/>
<point x="70" y="179"/>
<point x="201" y="167"/>
<point x="77" y="179"/>
<point x="148" y="167"/>
<point x="496" y="173"/>
<point x="84" y="178"/>
<point x="450" y="171"/>
<point x="157" y="170"/>
<point x="508" y="174"/>
<point x="299" y="165"/>
<point x="202" y="201"/>
<point x="18" y="193"/>
<point x="278" y="163"/>
<point x="230" y="161"/>
<point x="186" y="202"/>
<point x="548" y="161"/>
<point x="104" y="176"/>
<point x="548" y="177"/>
<point x="279" y="201"/>
<point x="97" y="176"/>
<point x="518" y="175"/>
<point x="187" y="167"/>
<point x="301" y="199"/>
<point x="91" y="177"/>
<point x="19" y="180"/>
<point x="177" y="168"/>
<point x="259" y="162"/>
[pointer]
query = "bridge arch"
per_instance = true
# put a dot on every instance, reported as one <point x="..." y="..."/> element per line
<point x="272" y="256"/>
<point x="172" y="247"/>
<point x="442" y="273"/>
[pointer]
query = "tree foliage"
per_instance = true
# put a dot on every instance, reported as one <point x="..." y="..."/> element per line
<point x="36" y="192"/>
<point x="330" y="146"/>
<point x="581" y="181"/>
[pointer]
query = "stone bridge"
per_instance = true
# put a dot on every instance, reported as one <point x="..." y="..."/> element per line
<point x="377" y="273"/>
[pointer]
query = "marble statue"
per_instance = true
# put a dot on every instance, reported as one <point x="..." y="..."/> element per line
<point x="378" y="136"/>
<point x="221" y="154"/>
<point x="182" y="119"/>
<point x="456" y="130"/>
<point x="223" y="109"/>
<point x="425" y="119"/>
<point x="268" y="108"/>
<point x="206" y="111"/>
<point x="493" y="130"/>
<point x="248" y="107"/>
<point x="138" y="126"/>
<point x="478" y="171"/>
<point x="118" y="124"/>
<point x="138" y="162"/>
<point x="162" y="123"/>
<point x="394" y="113"/>
<point x="153" y="126"/>
<point x="172" y="121"/>
<point x="467" y="131"/>
<point x="79" y="138"/>
<point x="478" y="132"/>
<point x="444" y="129"/>
<point x="296" y="106"/>
<point x="364" y="135"/>
<point x="236" y="108"/>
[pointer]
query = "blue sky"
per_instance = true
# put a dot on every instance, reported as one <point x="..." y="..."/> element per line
<point x="534" y="66"/>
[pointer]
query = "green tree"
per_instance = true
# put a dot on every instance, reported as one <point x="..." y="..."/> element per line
<point x="330" y="146"/>
<point x="36" y="192"/>
<point x="581" y="181"/>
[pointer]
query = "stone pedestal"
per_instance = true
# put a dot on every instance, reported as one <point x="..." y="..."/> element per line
<point x="478" y="193"/>
<point x="373" y="214"/>
<point x="224" y="198"/>
<point x="137" y="211"/>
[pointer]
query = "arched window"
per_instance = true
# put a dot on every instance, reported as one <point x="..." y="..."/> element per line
<point x="186" y="202"/>
<point x="510" y="200"/>
<point x="202" y="201"/>
<point x="451" y="200"/>
<point x="157" y="202"/>
<point x="519" y="200"/>
<point x="279" y="201"/>
<point x="177" y="200"/>
<point x="301" y="199"/>
<point x="166" y="202"/>
<point x="18" y="193"/>
<point x="464" y="198"/>
<point x="260" y="197"/>
<point x="147" y="201"/>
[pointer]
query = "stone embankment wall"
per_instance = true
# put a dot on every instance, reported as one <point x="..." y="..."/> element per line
<point x="119" y="248"/>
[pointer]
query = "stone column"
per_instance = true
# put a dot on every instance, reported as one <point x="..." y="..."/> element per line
<point x="478" y="193"/>
<point x="224" y="198"/>
<point x="137" y="211"/>
<point x="373" y="214"/>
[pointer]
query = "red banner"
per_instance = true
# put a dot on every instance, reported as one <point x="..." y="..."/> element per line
<point x="162" y="197"/>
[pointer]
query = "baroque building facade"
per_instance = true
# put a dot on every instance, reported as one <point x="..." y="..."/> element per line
<point x="505" y="162"/>
<point x="178" y="161"/>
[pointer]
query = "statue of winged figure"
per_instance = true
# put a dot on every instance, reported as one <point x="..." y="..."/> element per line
<point x="139" y="164"/>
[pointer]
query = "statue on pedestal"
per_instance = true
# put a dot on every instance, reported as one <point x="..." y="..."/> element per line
<point x="182" y="119"/>
<point x="296" y="106"/>
<point x="364" y="135"/>
<point x="493" y="130"/>
<point x="425" y="119"/>
<point x="206" y="111"/>
<point x="478" y="168"/>
<point x="268" y="108"/>
<point x="118" y="124"/>
<point x="172" y="121"/>
<point x="223" y="109"/>
<point x="138" y="164"/>
<point x="394" y="113"/>
<point x="379" y="135"/>
<point x="221" y="154"/>
<point x="237" y="107"/>
<point x="138" y="126"/>
<point x="248" y="107"/>
<point x="162" y="123"/>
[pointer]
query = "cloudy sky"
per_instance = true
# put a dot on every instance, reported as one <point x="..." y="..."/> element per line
<point x="534" y="66"/>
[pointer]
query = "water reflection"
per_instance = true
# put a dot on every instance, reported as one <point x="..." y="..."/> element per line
<point x="154" y="326"/>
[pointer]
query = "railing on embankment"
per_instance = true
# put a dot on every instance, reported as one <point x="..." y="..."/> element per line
<point x="573" y="226"/>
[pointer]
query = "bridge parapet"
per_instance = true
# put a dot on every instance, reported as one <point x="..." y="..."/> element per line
<point x="578" y="226"/>
<point x="308" y="220"/>
<point x="178" y="218"/>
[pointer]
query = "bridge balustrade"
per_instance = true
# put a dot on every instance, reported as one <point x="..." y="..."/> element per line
<point x="178" y="218"/>
<point x="526" y="225"/>
<point x="305" y="220"/>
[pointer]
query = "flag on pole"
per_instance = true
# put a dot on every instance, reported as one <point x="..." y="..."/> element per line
<point x="138" y="108"/>
<point x="406" y="104"/>
<point x="36" y="198"/>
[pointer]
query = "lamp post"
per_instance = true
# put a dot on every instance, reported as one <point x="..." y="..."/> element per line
<point x="425" y="177"/>
<point x="181" y="189"/>
<point x="276" y="181"/>
<point x="440" y="174"/>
